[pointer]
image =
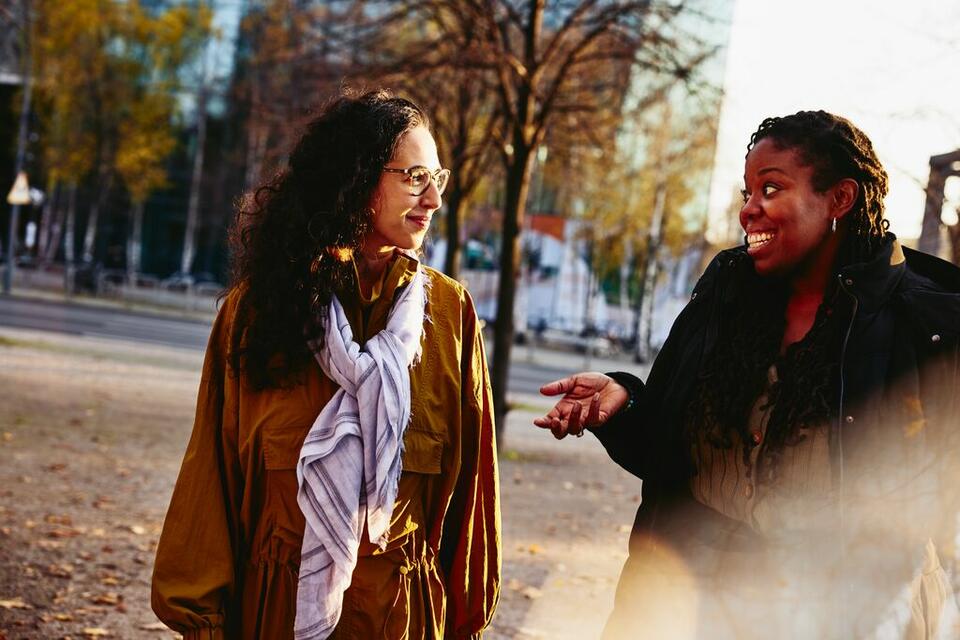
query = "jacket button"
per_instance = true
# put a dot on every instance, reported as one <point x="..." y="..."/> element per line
<point x="693" y="296"/>
<point x="849" y="419"/>
<point x="848" y="282"/>
<point x="935" y="337"/>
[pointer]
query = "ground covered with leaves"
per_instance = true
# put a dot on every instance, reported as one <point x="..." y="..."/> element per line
<point x="91" y="435"/>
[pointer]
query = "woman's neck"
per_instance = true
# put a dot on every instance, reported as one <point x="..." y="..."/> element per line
<point x="813" y="277"/>
<point x="807" y="289"/>
<point x="371" y="265"/>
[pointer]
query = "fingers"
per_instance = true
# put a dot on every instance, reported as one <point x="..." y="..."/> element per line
<point x="593" y="414"/>
<point x="547" y="421"/>
<point x="572" y="424"/>
<point x="570" y="417"/>
<point x="557" y="387"/>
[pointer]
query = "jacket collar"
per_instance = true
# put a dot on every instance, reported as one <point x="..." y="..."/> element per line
<point x="874" y="281"/>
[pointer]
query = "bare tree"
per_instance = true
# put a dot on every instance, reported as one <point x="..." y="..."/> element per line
<point x="299" y="53"/>
<point x="467" y="121"/>
<point x="562" y="67"/>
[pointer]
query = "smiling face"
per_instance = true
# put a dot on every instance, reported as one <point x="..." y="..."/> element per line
<point x="787" y="222"/>
<point x="400" y="219"/>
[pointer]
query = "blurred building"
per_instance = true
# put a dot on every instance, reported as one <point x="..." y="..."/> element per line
<point x="558" y="289"/>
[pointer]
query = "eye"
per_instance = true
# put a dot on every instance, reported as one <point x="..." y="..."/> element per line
<point x="745" y="195"/>
<point x="419" y="177"/>
<point x="769" y="189"/>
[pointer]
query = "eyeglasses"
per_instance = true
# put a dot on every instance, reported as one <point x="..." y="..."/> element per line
<point x="418" y="178"/>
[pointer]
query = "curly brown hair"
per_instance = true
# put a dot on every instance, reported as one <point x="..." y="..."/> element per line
<point x="752" y="319"/>
<point x="294" y="235"/>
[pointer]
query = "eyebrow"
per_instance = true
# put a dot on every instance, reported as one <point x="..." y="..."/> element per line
<point x="770" y="170"/>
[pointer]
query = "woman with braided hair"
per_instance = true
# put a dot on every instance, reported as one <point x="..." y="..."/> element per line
<point x="797" y="434"/>
<point x="341" y="479"/>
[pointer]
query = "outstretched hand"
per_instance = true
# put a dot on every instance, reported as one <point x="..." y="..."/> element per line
<point x="589" y="399"/>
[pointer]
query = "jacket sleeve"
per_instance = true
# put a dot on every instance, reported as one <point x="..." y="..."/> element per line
<point x="194" y="572"/>
<point x="628" y="436"/>
<point x="470" y="549"/>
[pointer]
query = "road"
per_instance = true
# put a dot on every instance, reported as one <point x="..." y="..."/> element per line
<point x="526" y="374"/>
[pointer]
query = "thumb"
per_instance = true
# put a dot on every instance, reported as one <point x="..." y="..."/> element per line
<point x="557" y="386"/>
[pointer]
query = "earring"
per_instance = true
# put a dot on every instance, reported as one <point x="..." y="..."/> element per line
<point x="833" y="226"/>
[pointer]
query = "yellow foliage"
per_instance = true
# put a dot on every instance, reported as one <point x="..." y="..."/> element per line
<point x="146" y="139"/>
<point x="105" y="75"/>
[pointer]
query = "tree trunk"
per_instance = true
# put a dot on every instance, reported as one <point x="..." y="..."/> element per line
<point x="626" y="273"/>
<point x="193" y="208"/>
<point x="56" y="234"/>
<point x="255" y="144"/>
<point x="451" y="263"/>
<point x="69" y="240"/>
<point x="644" y="352"/>
<point x="90" y="235"/>
<point x="46" y="219"/>
<point x="518" y="184"/>
<point x="518" y="166"/>
<point x="256" y="148"/>
<point x="135" y="243"/>
<point x="459" y="186"/>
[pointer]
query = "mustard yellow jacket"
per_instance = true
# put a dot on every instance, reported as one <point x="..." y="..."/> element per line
<point x="229" y="553"/>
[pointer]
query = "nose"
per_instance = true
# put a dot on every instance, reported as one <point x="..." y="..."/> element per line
<point x="750" y="209"/>
<point x="431" y="197"/>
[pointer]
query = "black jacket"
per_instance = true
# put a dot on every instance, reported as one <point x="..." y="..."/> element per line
<point x="895" y="432"/>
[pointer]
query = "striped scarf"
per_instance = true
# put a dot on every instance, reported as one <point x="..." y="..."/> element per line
<point x="349" y="464"/>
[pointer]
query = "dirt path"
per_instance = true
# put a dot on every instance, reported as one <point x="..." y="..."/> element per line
<point x="91" y="435"/>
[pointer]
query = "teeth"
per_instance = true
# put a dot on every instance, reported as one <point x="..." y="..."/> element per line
<point x="757" y="239"/>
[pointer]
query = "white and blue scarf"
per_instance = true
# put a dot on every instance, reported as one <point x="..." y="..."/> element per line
<point x="349" y="464"/>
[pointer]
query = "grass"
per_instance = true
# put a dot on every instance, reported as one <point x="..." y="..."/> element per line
<point x="537" y="457"/>
<point x="530" y="408"/>
<point x="12" y="342"/>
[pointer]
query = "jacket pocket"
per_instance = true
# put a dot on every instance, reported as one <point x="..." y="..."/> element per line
<point x="422" y="451"/>
<point x="282" y="444"/>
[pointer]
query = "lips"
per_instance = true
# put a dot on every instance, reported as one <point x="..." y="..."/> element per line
<point x="419" y="221"/>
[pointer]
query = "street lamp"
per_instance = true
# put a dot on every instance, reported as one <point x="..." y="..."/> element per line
<point x="20" y="193"/>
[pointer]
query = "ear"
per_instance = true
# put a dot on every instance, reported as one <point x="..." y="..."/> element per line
<point x="843" y="197"/>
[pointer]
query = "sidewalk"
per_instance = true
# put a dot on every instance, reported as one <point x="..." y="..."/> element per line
<point x="92" y="432"/>
<point x="569" y="360"/>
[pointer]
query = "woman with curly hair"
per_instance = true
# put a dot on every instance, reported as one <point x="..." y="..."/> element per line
<point x="341" y="479"/>
<point x="797" y="434"/>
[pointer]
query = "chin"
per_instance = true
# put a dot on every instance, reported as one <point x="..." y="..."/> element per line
<point x="410" y="243"/>
<point x="774" y="270"/>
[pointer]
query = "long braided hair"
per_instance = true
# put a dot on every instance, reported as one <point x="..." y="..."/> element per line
<point x="294" y="236"/>
<point x="752" y="320"/>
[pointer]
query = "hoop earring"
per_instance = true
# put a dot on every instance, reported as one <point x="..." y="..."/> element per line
<point x="833" y="226"/>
